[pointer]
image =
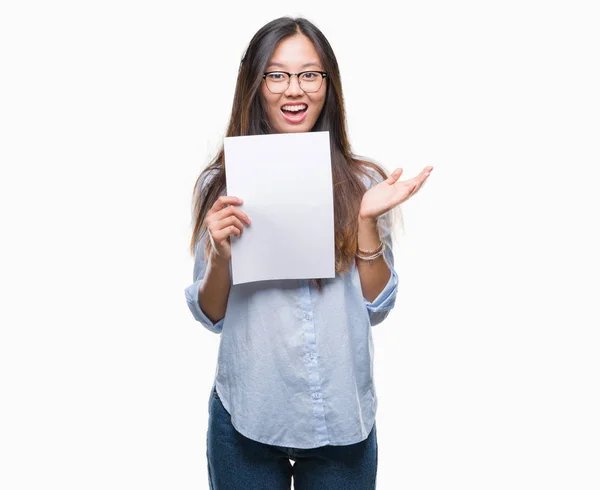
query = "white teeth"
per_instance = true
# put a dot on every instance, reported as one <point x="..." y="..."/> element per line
<point x="293" y="107"/>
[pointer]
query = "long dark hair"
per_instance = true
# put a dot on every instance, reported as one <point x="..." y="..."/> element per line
<point x="249" y="117"/>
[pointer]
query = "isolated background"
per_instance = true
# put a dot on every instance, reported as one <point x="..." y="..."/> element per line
<point x="487" y="370"/>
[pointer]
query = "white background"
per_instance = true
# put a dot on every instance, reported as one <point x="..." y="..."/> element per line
<point x="487" y="370"/>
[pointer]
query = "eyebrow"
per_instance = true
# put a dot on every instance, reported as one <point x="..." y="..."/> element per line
<point x="312" y="63"/>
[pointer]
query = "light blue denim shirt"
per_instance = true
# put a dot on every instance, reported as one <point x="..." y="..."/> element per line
<point x="295" y="365"/>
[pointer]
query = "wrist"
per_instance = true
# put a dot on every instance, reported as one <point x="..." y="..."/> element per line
<point x="217" y="261"/>
<point x="366" y="222"/>
<point x="368" y="239"/>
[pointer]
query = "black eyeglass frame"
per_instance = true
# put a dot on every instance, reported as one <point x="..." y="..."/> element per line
<point x="323" y="74"/>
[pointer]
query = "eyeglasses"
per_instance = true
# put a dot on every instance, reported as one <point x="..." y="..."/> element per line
<point x="309" y="81"/>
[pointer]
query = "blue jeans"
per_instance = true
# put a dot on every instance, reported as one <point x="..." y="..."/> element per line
<point x="237" y="462"/>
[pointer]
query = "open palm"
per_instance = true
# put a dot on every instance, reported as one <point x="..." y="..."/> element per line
<point x="391" y="192"/>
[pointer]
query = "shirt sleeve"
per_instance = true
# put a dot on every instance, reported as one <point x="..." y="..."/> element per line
<point x="191" y="292"/>
<point x="381" y="306"/>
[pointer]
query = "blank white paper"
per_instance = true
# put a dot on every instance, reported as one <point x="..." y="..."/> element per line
<point x="285" y="181"/>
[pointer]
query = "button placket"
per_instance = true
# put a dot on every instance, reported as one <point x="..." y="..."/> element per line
<point x="306" y="318"/>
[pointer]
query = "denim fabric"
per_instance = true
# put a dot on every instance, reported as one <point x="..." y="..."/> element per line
<point x="236" y="462"/>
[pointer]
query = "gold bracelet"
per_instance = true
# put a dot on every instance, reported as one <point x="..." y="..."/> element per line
<point x="369" y="257"/>
<point x="367" y="252"/>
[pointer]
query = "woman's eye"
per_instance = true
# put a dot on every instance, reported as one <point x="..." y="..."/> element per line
<point x="276" y="76"/>
<point x="309" y="76"/>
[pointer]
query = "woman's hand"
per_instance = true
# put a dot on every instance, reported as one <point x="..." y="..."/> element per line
<point x="223" y="220"/>
<point x="388" y="194"/>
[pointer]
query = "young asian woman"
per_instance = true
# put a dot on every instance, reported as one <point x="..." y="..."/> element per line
<point x="294" y="378"/>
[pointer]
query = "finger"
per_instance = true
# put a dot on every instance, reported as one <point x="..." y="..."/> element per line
<point x="222" y="234"/>
<point x="417" y="187"/>
<point x="394" y="176"/>
<point x="411" y="182"/>
<point x="413" y="190"/>
<point x="216" y="225"/>
<point x="422" y="177"/>
<point x="423" y="174"/>
<point x="228" y="211"/>
<point x="224" y="201"/>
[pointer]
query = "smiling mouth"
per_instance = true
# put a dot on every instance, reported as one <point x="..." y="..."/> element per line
<point x="294" y="116"/>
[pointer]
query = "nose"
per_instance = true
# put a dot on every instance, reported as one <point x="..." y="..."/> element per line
<point x="294" y="86"/>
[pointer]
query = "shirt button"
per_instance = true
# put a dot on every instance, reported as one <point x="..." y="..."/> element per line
<point x="316" y="395"/>
<point x="306" y="316"/>
<point x="311" y="356"/>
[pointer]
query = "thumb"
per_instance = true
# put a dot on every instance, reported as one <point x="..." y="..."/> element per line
<point x="394" y="176"/>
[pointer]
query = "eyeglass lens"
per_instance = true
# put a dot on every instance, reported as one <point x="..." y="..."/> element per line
<point x="278" y="82"/>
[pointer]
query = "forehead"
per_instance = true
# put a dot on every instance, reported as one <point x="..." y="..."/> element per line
<point x="295" y="53"/>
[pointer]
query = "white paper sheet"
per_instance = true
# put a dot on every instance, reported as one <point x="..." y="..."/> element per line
<point x="285" y="181"/>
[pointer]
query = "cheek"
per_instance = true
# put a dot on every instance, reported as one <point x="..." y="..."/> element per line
<point x="272" y="107"/>
<point x="267" y="101"/>
<point x="320" y="106"/>
<point x="320" y="103"/>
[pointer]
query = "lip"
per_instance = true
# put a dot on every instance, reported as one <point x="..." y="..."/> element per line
<point x="295" y="119"/>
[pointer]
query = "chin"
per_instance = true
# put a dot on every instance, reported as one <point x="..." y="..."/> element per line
<point x="302" y="128"/>
<point x="298" y="129"/>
